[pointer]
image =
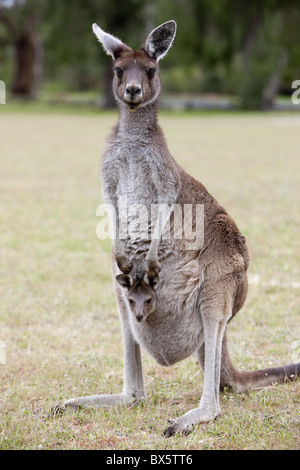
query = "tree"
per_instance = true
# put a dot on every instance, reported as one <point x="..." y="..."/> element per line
<point x="21" y="22"/>
<point x="256" y="40"/>
<point x="246" y="48"/>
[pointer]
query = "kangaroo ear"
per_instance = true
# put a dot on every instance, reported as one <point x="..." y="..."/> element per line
<point x="151" y="281"/>
<point x="112" y="46"/>
<point x="147" y="280"/>
<point x="125" y="280"/>
<point x="154" y="282"/>
<point x="160" y="40"/>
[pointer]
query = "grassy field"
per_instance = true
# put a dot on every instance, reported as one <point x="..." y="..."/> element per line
<point x="58" y="317"/>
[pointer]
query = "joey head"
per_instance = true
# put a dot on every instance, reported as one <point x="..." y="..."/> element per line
<point x="140" y="293"/>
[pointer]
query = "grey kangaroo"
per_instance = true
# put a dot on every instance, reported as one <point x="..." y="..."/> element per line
<point x="200" y="287"/>
<point x="140" y="293"/>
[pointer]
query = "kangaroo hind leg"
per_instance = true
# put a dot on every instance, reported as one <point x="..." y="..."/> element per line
<point x="215" y="319"/>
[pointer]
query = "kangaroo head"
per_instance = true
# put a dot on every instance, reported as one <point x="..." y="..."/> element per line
<point x="136" y="74"/>
<point x="140" y="294"/>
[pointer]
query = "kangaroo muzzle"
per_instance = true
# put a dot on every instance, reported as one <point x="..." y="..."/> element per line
<point x="133" y="94"/>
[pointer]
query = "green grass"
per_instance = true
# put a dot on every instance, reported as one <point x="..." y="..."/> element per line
<point x="58" y="317"/>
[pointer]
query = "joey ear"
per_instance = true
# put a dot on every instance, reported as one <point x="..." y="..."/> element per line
<point x="160" y="40"/>
<point x="151" y="281"/>
<point x="154" y="282"/>
<point x="125" y="280"/>
<point x="146" y="280"/>
<point x="112" y="45"/>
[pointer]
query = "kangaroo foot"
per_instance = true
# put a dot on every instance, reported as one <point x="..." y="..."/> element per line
<point x="185" y="423"/>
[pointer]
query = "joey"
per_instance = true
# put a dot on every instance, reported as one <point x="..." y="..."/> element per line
<point x="140" y="293"/>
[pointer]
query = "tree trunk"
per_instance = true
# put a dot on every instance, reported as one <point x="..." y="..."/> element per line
<point x="28" y="60"/>
<point x="272" y="88"/>
<point x="248" y="42"/>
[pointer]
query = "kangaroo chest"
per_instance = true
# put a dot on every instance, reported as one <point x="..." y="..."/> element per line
<point x="137" y="179"/>
<point x="135" y="170"/>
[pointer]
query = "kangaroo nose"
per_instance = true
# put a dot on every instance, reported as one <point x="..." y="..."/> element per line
<point x="139" y="317"/>
<point x="133" y="89"/>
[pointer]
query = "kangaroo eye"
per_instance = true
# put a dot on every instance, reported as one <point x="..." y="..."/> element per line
<point x="131" y="301"/>
<point x="151" y="73"/>
<point x="119" y="72"/>
<point x="148" y="301"/>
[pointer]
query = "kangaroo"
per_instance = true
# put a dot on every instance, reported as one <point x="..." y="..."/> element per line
<point x="200" y="287"/>
<point x="140" y="292"/>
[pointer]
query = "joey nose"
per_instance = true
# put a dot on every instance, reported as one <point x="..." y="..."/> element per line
<point x="139" y="317"/>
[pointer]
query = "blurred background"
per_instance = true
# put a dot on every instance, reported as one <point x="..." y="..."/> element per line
<point x="58" y="316"/>
<point x="229" y="53"/>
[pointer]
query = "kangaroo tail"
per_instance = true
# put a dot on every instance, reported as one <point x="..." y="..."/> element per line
<point x="240" y="381"/>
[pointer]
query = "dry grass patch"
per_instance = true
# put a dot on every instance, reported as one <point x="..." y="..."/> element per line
<point x="58" y="316"/>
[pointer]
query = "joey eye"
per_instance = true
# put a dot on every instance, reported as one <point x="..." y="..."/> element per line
<point x="151" y="73"/>
<point x="119" y="72"/>
<point x="131" y="301"/>
<point x="148" y="301"/>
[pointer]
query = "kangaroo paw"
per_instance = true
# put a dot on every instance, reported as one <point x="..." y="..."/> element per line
<point x="184" y="424"/>
<point x="124" y="264"/>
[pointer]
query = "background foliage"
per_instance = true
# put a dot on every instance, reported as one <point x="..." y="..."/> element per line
<point x="249" y="50"/>
<point x="58" y="316"/>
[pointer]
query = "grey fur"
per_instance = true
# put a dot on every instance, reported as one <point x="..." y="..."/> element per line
<point x="140" y="293"/>
<point x="199" y="290"/>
